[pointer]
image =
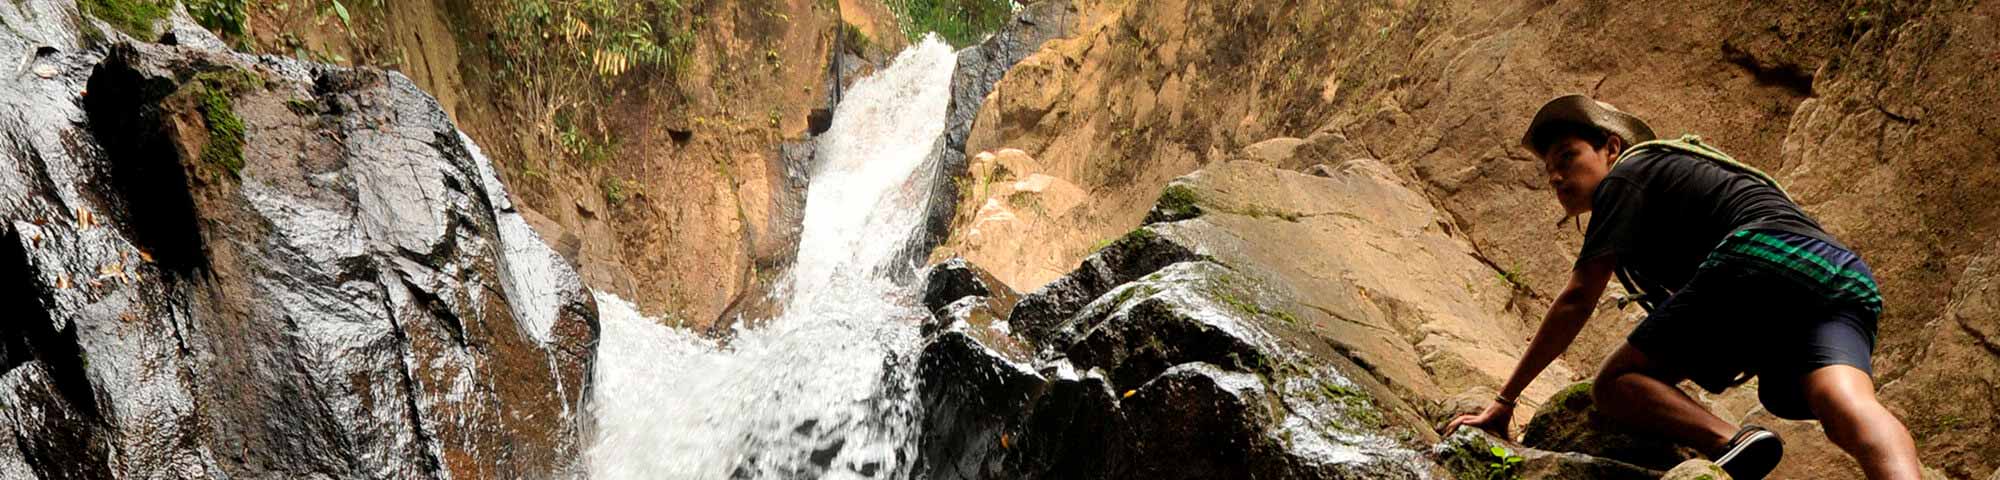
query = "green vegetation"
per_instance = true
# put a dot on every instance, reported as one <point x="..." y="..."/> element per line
<point x="958" y="22"/>
<point x="563" y="61"/>
<point x="303" y="107"/>
<point x="593" y="150"/>
<point x="537" y="39"/>
<point x="1178" y="200"/>
<point x="1137" y="235"/>
<point x="1502" y="464"/>
<point x="224" y="16"/>
<point x="1479" y="460"/>
<point x="1513" y="277"/>
<point x="213" y="95"/>
<point x="614" y="190"/>
<point x="134" y="17"/>
<point x="1357" y="405"/>
<point x="856" y="41"/>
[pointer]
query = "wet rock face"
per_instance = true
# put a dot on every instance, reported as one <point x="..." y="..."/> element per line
<point x="1178" y="371"/>
<point x="231" y="266"/>
<point x="1272" y="324"/>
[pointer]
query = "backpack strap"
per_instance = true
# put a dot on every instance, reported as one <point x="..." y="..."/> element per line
<point x="1650" y="294"/>
<point x="1692" y="145"/>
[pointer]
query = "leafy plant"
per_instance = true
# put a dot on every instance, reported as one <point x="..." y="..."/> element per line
<point x="560" y="58"/>
<point x="614" y="190"/>
<point x="224" y="16"/>
<point x="346" y="21"/>
<point x="959" y="22"/>
<point x="1503" y="465"/>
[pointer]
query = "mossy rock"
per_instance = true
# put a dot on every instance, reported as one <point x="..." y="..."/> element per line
<point x="1476" y="455"/>
<point x="1177" y="202"/>
<point x="1696" y="470"/>
<point x="134" y="17"/>
<point x="213" y="95"/>
<point x="1569" y="422"/>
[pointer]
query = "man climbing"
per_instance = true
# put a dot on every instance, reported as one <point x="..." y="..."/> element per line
<point x="1738" y="282"/>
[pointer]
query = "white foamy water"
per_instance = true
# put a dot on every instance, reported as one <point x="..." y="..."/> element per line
<point x="825" y="390"/>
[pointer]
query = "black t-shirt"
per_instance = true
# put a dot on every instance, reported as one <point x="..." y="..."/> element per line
<point x="1662" y="211"/>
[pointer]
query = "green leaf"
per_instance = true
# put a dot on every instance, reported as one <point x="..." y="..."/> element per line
<point x="341" y="10"/>
<point x="1499" y="452"/>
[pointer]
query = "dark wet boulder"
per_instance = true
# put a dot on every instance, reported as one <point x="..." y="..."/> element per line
<point x="1185" y="313"/>
<point x="228" y="266"/>
<point x="1471" y="453"/>
<point x="956" y="278"/>
<point x="1190" y="370"/>
<point x="1198" y="420"/>
<point x="974" y="398"/>
<point x="1569" y="422"/>
<point x="1137" y="254"/>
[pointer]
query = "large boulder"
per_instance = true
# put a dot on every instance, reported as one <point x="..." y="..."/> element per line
<point x="228" y="266"/>
<point x="1273" y="322"/>
<point x="1473" y="453"/>
<point x="1569" y="422"/>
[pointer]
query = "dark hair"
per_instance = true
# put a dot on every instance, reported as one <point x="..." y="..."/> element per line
<point x="1552" y="132"/>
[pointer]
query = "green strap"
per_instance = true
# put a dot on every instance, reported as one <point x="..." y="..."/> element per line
<point x="1692" y="144"/>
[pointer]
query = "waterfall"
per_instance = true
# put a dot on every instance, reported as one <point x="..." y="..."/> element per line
<point x="826" y="389"/>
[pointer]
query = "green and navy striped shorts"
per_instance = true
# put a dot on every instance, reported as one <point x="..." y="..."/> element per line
<point x="1825" y="268"/>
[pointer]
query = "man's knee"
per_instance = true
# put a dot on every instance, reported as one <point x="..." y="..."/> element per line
<point x="1612" y="377"/>
<point x="1840" y="395"/>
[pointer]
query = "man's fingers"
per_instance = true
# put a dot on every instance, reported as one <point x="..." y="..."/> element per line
<point x="1454" y="424"/>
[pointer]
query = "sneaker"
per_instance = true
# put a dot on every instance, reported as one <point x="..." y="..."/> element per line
<point x="1752" y="453"/>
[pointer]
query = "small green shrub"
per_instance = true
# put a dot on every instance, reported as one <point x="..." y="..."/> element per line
<point x="958" y="22"/>
<point x="223" y="16"/>
<point x="1503" y="465"/>
<point x="614" y="190"/>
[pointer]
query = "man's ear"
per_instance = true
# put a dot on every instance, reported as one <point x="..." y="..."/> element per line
<point x="1613" y="147"/>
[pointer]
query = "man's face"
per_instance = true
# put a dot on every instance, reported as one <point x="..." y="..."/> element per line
<point x="1574" y="170"/>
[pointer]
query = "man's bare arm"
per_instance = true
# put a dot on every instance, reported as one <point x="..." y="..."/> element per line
<point x="1566" y="317"/>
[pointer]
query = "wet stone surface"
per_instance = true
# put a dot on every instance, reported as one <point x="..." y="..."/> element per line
<point x="223" y="265"/>
<point x="1170" y="371"/>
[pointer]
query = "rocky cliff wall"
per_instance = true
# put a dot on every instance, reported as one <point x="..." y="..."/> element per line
<point x="228" y="266"/>
<point x="1871" y="112"/>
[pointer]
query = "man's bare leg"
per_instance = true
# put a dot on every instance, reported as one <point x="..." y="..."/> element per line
<point x="1631" y="389"/>
<point x="1843" y="398"/>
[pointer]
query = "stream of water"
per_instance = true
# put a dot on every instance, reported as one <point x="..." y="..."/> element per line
<point x="825" y="389"/>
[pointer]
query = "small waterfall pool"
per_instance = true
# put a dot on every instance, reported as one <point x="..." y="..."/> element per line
<point x="826" y="389"/>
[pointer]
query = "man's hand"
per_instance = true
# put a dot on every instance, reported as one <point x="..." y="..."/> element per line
<point x="1493" y="420"/>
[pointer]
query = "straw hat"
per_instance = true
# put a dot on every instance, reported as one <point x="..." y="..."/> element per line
<point x="1584" y="110"/>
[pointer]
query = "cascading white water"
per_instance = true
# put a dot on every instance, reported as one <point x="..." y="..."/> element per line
<point x="825" y="390"/>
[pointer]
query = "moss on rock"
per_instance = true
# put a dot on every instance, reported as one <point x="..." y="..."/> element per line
<point x="1569" y="422"/>
<point x="1177" y="202"/>
<point x="213" y="95"/>
<point x="134" y="17"/>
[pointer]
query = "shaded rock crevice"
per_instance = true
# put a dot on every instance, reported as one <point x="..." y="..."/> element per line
<point x="32" y="335"/>
<point x="146" y="176"/>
